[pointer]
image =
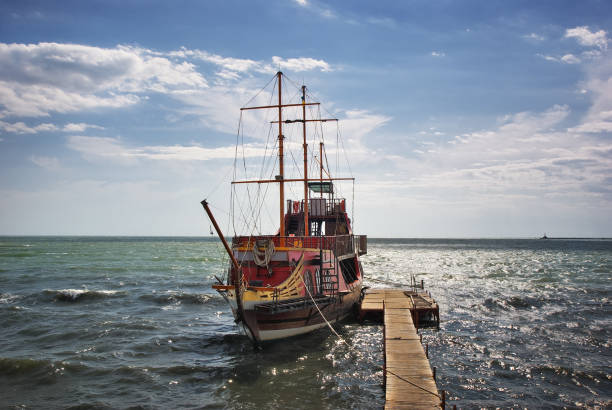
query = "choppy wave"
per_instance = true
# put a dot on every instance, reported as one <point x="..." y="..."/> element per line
<point x="6" y="298"/>
<point x="10" y="367"/>
<point x="181" y="297"/>
<point x="32" y="367"/>
<point x="78" y="295"/>
<point x="513" y="303"/>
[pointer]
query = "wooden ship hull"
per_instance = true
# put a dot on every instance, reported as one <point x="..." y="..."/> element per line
<point x="301" y="289"/>
<point x="299" y="316"/>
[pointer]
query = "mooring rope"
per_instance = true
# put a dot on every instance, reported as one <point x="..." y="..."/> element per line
<point x="263" y="257"/>
<point x="355" y="350"/>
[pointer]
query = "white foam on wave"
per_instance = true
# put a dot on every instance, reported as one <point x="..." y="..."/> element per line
<point x="106" y="292"/>
<point x="72" y="293"/>
<point x="75" y="294"/>
<point x="8" y="298"/>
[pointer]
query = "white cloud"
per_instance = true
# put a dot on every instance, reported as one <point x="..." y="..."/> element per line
<point x="228" y="75"/>
<point x="22" y="128"/>
<point x="534" y="36"/>
<point x="570" y="59"/>
<point x="328" y="14"/>
<point x="75" y="67"/>
<point x="586" y="37"/>
<point x="594" y="126"/>
<point x="598" y="85"/>
<point x="525" y="124"/>
<point x="37" y="79"/>
<point x="356" y="128"/>
<point x="527" y="157"/>
<point x="438" y="54"/>
<point x="595" y="122"/>
<point x="232" y="68"/>
<point x="386" y="22"/>
<point x="113" y="149"/>
<point x="48" y="163"/>
<point x="317" y="8"/>
<point x="41" y="100"/>
<point x="358" y="123"/>
<point x="300" y="64"/>
<point x="227" y="63"/>
<point x="80" y="127"/>
<point x="565" y="59"/>
<point x="218" y="106"/>
<point x="548" y="57"/>
<point x="194" y="152"/>
<point x="96" y="148"/>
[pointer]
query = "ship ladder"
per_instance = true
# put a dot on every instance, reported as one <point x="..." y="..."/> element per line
<point x="330" y="281"/>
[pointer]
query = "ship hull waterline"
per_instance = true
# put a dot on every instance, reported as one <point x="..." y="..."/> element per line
<point x="269" y="326"/>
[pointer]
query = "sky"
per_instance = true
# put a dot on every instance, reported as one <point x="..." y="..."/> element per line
<point x="459" y="119"/>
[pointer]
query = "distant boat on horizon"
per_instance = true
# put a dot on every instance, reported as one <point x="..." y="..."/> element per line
<point x="544" y="237"/>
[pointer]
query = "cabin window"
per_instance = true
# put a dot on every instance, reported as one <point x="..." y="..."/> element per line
<point x="347" y="267"/>
<point x="317" y="227"/>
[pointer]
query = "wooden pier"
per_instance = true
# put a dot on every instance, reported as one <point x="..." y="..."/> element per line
<point x="408" y="378"/>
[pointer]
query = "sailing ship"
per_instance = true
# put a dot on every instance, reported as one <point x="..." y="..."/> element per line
<point x="308" y="274"/>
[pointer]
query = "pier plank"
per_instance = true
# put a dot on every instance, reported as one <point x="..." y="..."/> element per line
<point x="409" y="381"/>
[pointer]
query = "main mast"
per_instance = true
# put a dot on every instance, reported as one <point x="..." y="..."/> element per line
<point x="306" y="224"/>
<point x="281" y="168"/>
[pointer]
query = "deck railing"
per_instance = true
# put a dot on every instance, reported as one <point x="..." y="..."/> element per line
<point x="317" y="206"/>
<point x="341" y="244"/>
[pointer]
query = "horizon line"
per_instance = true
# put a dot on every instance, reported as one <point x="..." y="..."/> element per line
<point x="230" y="236"/>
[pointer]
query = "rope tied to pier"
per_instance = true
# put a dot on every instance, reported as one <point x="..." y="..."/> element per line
<point x="351" y="348"/>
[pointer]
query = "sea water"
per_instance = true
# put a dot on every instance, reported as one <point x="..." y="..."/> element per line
<point x="115" y="322"/>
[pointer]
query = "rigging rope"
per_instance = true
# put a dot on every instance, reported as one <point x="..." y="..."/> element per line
<point x="259" y="92"/>
<point x="249" y="209"/>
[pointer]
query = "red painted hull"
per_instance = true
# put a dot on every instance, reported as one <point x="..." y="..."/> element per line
<point x="312" y="287"/>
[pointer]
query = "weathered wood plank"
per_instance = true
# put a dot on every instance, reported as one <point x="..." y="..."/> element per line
<point x="372" y="305"/>
<point x="409" y="379"/>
